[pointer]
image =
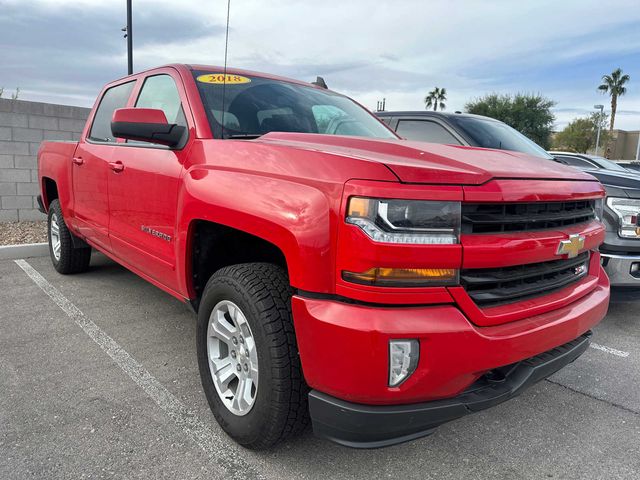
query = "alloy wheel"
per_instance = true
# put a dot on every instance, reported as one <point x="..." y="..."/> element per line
<point x="233" y="358"/>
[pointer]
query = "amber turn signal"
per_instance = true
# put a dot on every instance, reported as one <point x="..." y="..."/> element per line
<point x="403" y="277"/>
<point x="359" y="207"/>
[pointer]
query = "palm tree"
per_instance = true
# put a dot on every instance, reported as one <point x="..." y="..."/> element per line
<point x="435" y="99"/>
<point x="614" y="85"/>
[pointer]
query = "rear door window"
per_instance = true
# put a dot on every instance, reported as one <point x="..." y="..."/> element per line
<point x="425" y="131"/>
<point x="114" y="98"/>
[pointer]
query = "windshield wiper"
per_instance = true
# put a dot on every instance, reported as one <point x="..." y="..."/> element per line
<point x="245" y="136"/>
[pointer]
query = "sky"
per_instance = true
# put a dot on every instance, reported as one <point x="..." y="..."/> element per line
<point x="63" y="51"/>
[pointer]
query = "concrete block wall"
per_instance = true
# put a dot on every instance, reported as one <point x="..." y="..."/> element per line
<point x="23" y="125"/>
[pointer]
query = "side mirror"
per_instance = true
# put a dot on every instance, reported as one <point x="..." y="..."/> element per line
<point x="146" y="125"/>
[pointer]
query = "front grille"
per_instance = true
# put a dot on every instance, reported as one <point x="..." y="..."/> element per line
<point x="519" y="217"/>
<point x="495" y="286"/>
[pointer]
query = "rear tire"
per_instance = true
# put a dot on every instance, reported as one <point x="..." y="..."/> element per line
<point x="65" y="258"/>
<point x="277" y="408"/>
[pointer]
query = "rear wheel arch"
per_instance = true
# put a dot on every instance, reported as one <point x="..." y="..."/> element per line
<point x="49" y="191"/>
<point x="67" y="255"/>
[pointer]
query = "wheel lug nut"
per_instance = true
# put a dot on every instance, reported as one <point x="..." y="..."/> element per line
<point x="238" y="367"/>
<point x="234" y="340"/>
<point x="241" y="339"/>
<point x="246" y="352"/>
<point x="246" y="367"/>
<point x="233" y="354"/>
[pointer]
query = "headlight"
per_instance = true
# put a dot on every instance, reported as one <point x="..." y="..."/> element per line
<point x="628" y="212"/>
<point x="406" y="221"/>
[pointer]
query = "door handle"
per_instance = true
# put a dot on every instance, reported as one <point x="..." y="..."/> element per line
<point x="78" y="160"/>
<point x="116" y="166"/>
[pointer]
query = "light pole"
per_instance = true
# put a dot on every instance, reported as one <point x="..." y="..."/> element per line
<point x="129" y="37"/>
<point x="601" y="108"/>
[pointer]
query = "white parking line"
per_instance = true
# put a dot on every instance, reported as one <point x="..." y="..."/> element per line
<point x="221" y="450"/>
<point x="612" y="351"/>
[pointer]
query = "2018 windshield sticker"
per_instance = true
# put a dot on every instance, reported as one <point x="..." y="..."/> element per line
<point x="219" y="78"/>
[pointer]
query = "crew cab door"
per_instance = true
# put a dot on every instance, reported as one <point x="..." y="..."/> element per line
<point x="143" y="188"/>
<point x="90" y="168"/>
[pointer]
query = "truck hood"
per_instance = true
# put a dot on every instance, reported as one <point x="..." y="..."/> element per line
<point x="421" y="162"/>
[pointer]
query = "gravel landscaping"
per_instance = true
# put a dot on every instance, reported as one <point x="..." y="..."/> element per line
<point x="13" y="233"/>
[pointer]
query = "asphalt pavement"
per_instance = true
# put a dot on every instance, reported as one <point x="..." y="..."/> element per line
<point x="99" y="379"/>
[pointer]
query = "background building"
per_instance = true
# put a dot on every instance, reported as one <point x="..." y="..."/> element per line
<point x="624" y="145"/>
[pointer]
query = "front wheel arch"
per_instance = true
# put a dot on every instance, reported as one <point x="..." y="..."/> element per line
<point x="213" y="246"/>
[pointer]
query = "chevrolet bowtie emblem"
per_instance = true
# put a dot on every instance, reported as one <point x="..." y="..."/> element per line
<point x="571" y="248"/>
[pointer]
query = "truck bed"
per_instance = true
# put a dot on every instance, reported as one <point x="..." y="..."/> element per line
<point x="54" y="162"/>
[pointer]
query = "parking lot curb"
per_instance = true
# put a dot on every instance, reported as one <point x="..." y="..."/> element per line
<point x="13" y="252"/>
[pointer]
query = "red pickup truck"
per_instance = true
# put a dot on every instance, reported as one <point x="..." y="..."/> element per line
<point x="375" y="286"/>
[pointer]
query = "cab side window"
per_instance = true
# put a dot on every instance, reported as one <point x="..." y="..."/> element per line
<point x="161" y="92"/>
<point x="425" y="131"/>
<point x="114" y="98"/>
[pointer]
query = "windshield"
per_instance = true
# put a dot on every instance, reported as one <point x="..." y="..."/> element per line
<point x="253" y="106"/>
<point x="494" y="134"/>
<point x="606" y="164"/>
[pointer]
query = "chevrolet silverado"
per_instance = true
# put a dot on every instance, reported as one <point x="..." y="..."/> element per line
<point x="375" y="287"/>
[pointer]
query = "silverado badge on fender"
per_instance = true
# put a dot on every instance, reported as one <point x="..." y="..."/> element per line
<point x="155" y="233"/>
<point x="572" y="247"/>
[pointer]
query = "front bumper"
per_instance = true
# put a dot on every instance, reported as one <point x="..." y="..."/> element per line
<point x="623" y="270"/>
<point x="365" y="426"/>
<point x="344" y="354"/>
<point x="344" y="348"/>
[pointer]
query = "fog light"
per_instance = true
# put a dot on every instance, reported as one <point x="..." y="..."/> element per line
<point x="403" y="360"/>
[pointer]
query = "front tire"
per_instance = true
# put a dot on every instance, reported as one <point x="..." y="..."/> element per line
<point x="65" y="258"/>
<point x="248" y="357"/>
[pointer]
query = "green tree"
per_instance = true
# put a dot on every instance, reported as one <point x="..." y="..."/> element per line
<point x="580" y="134"/>
<point x="436" y="98"/>
<point x="529" y="114"/>
<point x="614" y="85"/>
